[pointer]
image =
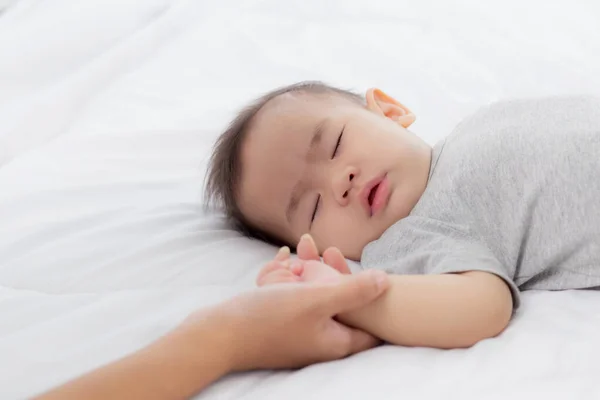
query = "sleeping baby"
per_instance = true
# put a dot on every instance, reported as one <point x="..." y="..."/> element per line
<point x="509" y="201"/>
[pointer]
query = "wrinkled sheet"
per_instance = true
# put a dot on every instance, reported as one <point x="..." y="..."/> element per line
<point x="108" y="109"/>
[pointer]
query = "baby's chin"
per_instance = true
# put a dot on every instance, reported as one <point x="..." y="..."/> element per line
<point x="354" y="258"/>
<point x="356" y="254"/>
<point x="352" y="250"/>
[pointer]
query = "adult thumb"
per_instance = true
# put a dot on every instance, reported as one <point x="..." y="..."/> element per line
<point x="354" y="291"/>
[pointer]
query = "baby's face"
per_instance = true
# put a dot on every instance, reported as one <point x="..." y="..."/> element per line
<point x="327" y="166"/>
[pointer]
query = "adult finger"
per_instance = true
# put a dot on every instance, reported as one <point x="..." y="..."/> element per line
<point x="307" y="249"/>
<point x="351" y="292"/>
<point x="344" y="341"/>
<point x="267" y="269"/>
<point x="279" y="276"/>
<point x="283" y="254"/>
<point x="334" y="258"/>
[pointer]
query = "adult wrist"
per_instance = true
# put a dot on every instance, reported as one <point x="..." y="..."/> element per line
<point x="192" y="356"/>
<point x="212" y="335"/>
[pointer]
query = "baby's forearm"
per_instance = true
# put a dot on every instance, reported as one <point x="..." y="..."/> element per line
<point x="443" y="311"/>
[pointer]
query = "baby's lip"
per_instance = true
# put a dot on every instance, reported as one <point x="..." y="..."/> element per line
<point x="366" y="191"/>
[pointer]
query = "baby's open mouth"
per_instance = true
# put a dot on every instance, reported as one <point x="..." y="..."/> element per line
<point x="372" y="194"/>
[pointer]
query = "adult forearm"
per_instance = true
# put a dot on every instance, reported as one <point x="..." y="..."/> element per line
<point x="443" y="311"/>
<point x="174" y="367"/>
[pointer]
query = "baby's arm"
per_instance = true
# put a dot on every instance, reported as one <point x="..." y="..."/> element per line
<point x="443" y="311"/>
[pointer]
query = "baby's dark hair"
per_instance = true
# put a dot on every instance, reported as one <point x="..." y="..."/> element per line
<point x="222" y="178"/>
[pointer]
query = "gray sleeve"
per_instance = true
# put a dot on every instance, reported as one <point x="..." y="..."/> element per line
<point x="420" y="246"/>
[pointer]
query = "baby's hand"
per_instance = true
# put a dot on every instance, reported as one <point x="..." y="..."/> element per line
<point x="280" y="270"/>
<point x="332" y="257"/>
<point x="295" y="271"/>
<point x="308" y="268"/>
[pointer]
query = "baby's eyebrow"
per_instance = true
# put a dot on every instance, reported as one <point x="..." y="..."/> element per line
<point x="320" y="128"/>
<point x="298" y="189"/>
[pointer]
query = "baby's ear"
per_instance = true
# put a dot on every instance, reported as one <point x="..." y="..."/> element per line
<point x="387" y="106"/>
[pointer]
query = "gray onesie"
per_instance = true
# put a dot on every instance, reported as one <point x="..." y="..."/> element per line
<point x="515" y="191"/>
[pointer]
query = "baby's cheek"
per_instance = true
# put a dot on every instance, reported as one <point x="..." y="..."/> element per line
<point x="346" y="231"/>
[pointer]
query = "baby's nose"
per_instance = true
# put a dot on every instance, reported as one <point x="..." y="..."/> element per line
<point x="344" y="186"/>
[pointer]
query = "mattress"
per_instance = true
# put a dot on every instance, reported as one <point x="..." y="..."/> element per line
<point x="108" y="110"/>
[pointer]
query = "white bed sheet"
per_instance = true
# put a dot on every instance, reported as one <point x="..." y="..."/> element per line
<point x="108" y="110"/>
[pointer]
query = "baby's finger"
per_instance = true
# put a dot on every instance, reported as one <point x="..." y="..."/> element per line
<point x="283" y="254"/>
<point x="297" y="268"/>
<point x="334" y="258"/>
<point x="278" y="276"/>
<point x="307" y="249"/>
<point x="268" y="268"/>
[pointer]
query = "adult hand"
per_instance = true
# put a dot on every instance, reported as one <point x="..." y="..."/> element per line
<point x="282" y="326"/>
<point x="291" y="325"/>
